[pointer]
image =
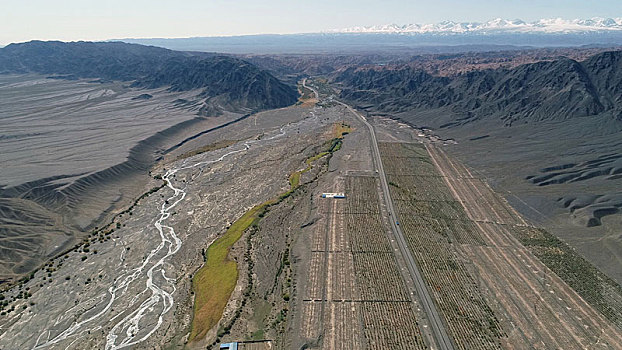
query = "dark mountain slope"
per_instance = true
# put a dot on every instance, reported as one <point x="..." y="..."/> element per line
<point x="235" y="83"/>
<point x="541" y="91"/>
<point x="238" y="80"/>
<point x="555" y="90"/>
<point x="113" y="61"/>
<point x="547" y="134"/>
<point x="606" y="72"/>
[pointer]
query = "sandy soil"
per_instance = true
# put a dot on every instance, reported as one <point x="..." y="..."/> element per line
<point x="132" y="285"/>
<point x="73" y="153"/>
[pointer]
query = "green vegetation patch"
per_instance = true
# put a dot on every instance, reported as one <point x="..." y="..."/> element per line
<point x="600" y="291"/>
<point x="340" y="130"/>
<point x="215" y="281"/>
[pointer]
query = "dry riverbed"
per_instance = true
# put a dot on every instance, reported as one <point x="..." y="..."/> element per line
<point x="131" y="286"/>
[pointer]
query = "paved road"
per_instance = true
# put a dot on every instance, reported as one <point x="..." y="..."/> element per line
<point x="438" y="328"/>
<point x="304" y="84"/>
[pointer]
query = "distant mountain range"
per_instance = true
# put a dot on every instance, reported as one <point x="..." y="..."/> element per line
<point x="445" y="37"/>
<point x="496" y="26"/>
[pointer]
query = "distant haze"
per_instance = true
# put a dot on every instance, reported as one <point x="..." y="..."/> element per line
<point x="73" y="20"/>
<point x="387" y="43"/>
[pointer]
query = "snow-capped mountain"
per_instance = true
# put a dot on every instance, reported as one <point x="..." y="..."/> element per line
<point x="551" y="25"/>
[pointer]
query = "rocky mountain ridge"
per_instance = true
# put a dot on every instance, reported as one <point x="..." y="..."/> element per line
<point x="548" y="90"/>
<point x="233" y="83"/>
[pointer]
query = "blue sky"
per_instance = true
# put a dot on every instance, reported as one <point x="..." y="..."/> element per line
<point x="104" y="19"/>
